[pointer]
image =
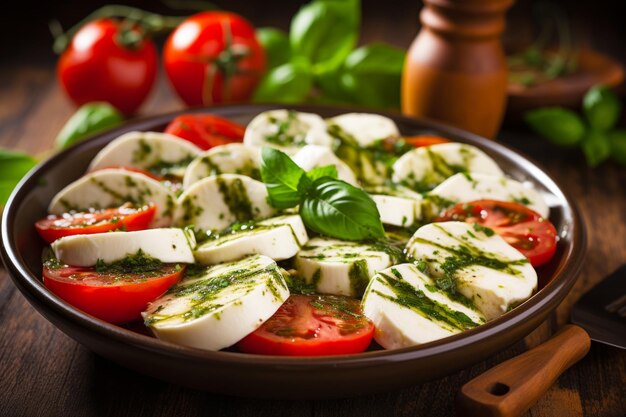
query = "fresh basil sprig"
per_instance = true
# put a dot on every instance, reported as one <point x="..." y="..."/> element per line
<point x="88" y="120"/>
<point x="327" y="205"/>
<point x="594" y="134"/>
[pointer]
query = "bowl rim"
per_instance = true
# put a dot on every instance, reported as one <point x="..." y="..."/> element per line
<point x="36" y="293"/>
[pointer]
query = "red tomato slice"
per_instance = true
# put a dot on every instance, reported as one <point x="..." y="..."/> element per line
<point x="312" y="325"/>
<point x="205" y="130"/>
<point x="137" y="170"/>
<point x="111" y="297"/>
<point x="521" y="227"/>
<point x="425" y="140"/>
<point x="127" y="218"/>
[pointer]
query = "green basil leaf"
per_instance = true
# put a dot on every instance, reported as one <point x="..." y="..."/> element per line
<point x="617" y="141"/>
<point x="602" y="108"/>
<point x="337" y="209"/>
<point x="288" y="83"/>
<point x="275" y="42"/>
<point x="13" y="166"/>
<point x="596" y="148"/>
<point x="324" y="32"/>
<point x="88" y="120"/>
<point x="372" y="75"/>
<point x="323" y="171"/>
<point x="561" y="126"/>
<point x="281" y="177"/>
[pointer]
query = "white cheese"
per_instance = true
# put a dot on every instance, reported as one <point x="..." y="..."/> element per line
<point x="463" y="188"/>
<point x="278" y="238"/>
<point x="167" y="245"/>
<point x="340" y="267"/>
<point x="426" y="167"/>
<point x="147" y="150"/>
<point x="401" y="300"/>
<point x="113" y="188"/>
<point x="313" y="156"/>
<point x="493" y="289"/>
<point x="286" y="130"/>
<point x="366" y="128"/>
<point x="220" y="306"/>
<point x="216" y="202"/>
<point x="233" y="158"/>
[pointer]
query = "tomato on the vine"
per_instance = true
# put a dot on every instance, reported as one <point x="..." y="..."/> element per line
<point x="103" y="63"/>
<point x="214" y="57"/>
<point x="523" y="228"/>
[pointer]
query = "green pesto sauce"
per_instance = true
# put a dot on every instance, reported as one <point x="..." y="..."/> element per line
<point x="359" y="277"/>
<point x="235" y="196"/>
<point x="166" y="168"/>
<point x="138" y="263"/>
<point x="415" y="299"/>
<point x="142" y="152"/>
<point x="190" y="209"/>
<point x="289" y="132"/>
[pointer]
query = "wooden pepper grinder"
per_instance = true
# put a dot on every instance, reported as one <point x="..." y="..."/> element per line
<point x="455" y="70"/>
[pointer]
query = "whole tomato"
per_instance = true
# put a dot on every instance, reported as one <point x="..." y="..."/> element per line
<point x="101" y="64"/>
<point x="214" y="57"/>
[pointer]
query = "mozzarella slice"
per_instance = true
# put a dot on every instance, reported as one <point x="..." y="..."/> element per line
<point x="424" y="168"/>
<point x="113" y="188"/>
<point x="233" y="158"/>
<point x="398" y="206"/>
<point x="216" y="202"/>
<point x="219" y="306"/>
<point x="278" y="238"/>
<point x="365" y="129"/>
<point x="287" y="130"/>
<point x="341" y="267"/>
<point x="153" y="151"/>
<point x="408" y="309"/>
<point x="484" y="268"/>
<point x="166" y="245"/>
<point x="463" y="188"/>
<point x="313" y="156"/>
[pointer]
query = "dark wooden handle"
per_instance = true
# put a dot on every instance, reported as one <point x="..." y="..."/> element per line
<point x="512" y="387"/>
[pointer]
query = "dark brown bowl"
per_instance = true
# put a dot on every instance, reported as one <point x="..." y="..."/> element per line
<point x="283" y="377"/>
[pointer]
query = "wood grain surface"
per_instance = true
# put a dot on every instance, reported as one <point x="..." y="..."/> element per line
<point x="45" y="373"/>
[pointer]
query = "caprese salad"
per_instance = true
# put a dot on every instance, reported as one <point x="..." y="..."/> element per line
<point x="295" y="235"/>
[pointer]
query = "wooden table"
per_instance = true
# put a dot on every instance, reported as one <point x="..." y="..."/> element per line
<point x="43" y="372"/>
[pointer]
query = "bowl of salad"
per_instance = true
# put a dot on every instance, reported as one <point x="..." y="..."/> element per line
<point x="301" y="252"/>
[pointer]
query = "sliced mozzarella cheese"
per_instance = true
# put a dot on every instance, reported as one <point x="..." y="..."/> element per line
<point x="408" y="309"/>
<point x="485" y="269"/>
<point x="113" y="188"/>
<point x="426" y="167"/>
<point x="278" y="238"/>
<point x="167" y="245"/>
<point x="287" y="130"/>
<point x="364" y="128"/>
<point x="398" y="206"/>
<point x="233" y="158"/>
<point x="462" y="188"/>
<point x="341" y="267"/>
<point x="220" y="306"/>
<point x="313" y="156"/>
<point x="153" y="151"/>
<point x="216" y="202"/>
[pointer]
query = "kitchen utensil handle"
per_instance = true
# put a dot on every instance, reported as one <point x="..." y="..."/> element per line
<point x="512" y="387"/>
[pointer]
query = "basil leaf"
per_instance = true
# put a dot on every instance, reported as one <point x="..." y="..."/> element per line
<point x="288" y="83"/>
<point x="596" y="148"/>
<point x="561" y="126"/>
<point x="372" y="75"/>
<point x="323" y="171"/>
<point x="13" y="166"/>
<point x="324" y="32"/>
<point x="281" y="177"/>
<point x="602" y="108"/>
<point x="617" y="140"/>
<point x="337" y="209"/>
<point x="275" y="42"/>
<point x="88" y="120"/>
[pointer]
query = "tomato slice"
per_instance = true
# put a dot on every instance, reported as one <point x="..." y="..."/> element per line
<point x="425" y="140"/>
<point x="137" y="170"/>
<point x="98" y="221"/>
<point x="113" y="297"/>
<point x="312" y="325"/>
<point x="521" y="227"/>
<point x="205" y="130"/>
